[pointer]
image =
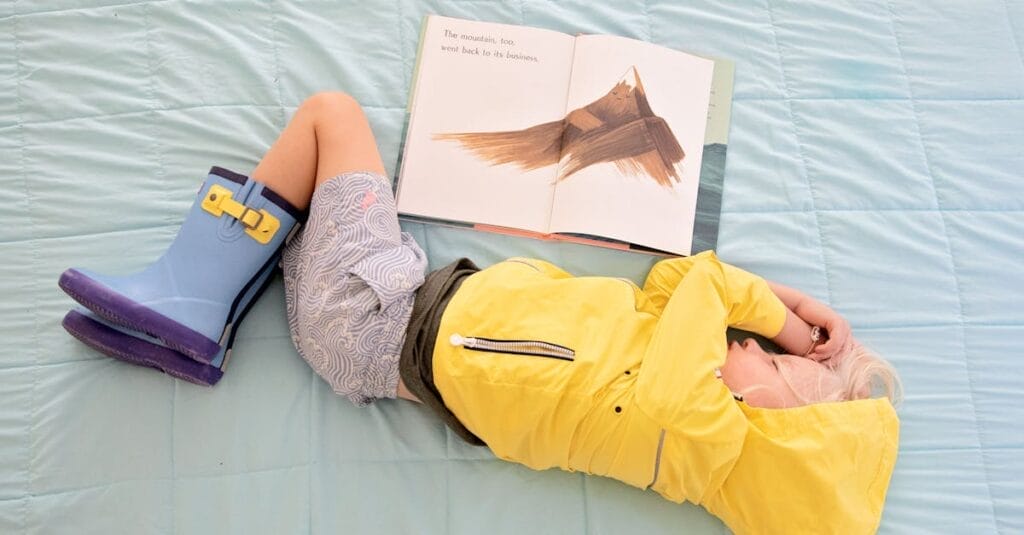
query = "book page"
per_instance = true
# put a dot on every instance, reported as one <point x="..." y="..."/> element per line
<point x="632" y="151"/>
<point x="485" y="126"/>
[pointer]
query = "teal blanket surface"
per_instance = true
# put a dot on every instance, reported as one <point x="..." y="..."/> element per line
<point x="875" y="161"/>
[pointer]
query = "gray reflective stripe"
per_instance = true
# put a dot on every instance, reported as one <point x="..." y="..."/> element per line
<point x="657" y="458"/>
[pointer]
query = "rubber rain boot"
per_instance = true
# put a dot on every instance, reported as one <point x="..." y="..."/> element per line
<point x="137" y="348"/>
<point x="187" y="299"/>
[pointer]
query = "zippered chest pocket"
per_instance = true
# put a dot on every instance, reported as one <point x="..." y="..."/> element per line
<point x="515" y="347"/>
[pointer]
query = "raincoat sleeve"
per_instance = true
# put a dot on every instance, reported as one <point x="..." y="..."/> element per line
<point x="751" y="305"/>
<point x="699" y="297"/>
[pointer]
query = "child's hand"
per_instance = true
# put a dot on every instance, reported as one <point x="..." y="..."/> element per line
<point x="838" y="339"/>
<point x="835" y="341"/>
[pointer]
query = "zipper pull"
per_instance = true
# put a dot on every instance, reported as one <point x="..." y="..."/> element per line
<point x="459" y="340"/>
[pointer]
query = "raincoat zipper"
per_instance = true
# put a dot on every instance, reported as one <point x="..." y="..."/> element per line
<point x="515" y="347"/>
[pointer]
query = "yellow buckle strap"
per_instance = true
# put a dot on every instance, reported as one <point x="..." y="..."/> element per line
<point x="260" y="225"/>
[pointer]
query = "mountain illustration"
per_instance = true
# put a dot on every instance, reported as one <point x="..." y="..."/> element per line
<point x="619" y="128"/>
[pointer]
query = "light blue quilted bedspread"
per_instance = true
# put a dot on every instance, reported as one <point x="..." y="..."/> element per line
<point x="875" y="161"/>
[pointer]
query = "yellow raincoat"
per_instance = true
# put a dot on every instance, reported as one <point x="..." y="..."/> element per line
<point x="595" y="374"/>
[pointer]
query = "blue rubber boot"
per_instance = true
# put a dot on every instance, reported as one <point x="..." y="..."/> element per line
<point x="137" y="348"/>
<point x="188" y="297"/>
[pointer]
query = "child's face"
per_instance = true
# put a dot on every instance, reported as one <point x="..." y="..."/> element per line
<point x="775" y="381"/>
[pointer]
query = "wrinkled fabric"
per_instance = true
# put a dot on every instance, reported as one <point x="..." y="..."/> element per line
<point x="350" y="276"/>
<point x="639" y="400"/>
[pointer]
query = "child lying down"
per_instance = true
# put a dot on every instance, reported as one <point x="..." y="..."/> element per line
<point x="546" y="369"/>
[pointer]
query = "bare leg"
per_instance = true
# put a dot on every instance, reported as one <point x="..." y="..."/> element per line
<point x="327" y="136"/>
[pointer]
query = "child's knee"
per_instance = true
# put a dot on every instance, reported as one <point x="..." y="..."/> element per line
<point x="334" y="105"/>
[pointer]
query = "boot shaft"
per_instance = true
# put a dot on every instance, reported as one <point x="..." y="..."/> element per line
<point x="189" y="298"/>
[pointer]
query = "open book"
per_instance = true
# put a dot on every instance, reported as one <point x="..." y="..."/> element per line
<point x="591" y="137"/>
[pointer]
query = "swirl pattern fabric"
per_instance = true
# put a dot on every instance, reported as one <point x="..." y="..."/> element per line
<point x="350" y="277"/>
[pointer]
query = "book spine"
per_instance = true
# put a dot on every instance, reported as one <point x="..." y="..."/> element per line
<point x="404" y="149"/>
<point x="565" y="111"/>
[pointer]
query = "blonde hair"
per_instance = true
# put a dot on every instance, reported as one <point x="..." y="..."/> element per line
<point x="862" y="374"/>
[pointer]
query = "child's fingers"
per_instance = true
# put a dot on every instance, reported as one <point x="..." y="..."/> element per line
<point x="827" y="349"/>
<point x="823" y="352"/>
<point x="834" y="346"/>
<point x="833" y="350"/>
<point x="838" y="335"/>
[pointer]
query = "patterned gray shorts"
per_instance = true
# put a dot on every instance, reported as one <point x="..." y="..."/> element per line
<point x="350" y="277"/>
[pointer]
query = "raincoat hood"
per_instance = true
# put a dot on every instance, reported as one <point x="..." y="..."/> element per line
<point x="821" y="468"/>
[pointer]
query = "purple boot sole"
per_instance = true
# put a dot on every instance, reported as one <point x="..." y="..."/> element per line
<point x="118" y="309"/>
<point x="134" y="350"/>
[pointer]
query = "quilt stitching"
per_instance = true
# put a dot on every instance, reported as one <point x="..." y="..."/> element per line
<point x="401" y="48"/>
<point x="803" y="156"/>
<point x="30" y="421"/>
<point x="650" y="24"/>
<point x="166" y="109"/>
<point x="33" y="410"/>
<point x="275" y="29"/>
<point x="151" y="97"/>
<point x="161" y="171"/>
<point x="62" y="10"/>
<point x="1013" y="33"/>
<point x="952" y="263"/>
